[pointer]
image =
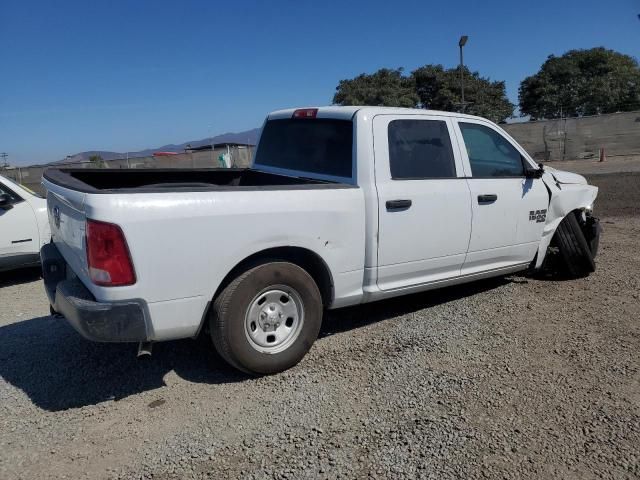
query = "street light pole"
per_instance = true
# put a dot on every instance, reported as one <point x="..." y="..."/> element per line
<point x="462" y="43"/>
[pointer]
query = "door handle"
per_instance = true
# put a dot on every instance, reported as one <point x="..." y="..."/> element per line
<point x="487" y="198"/>
<point x="398" y="204"/>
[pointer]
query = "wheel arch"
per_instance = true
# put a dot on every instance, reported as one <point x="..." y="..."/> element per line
<point x="563" y="200"/>
<point x="306" y="259"/>
<point x="549" y="234"/>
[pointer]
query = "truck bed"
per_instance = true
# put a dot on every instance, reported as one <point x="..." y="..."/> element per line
<point x="174" y="180"/>
<point x="184" y="238"/>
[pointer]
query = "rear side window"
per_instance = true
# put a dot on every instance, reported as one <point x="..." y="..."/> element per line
<point x="420" y="149"/>
<point x="490" y="154"/>
<point x="322" y="146"/>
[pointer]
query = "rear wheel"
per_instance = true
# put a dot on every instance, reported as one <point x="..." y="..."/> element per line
<point x="266" y="320"/>
<point x="576" y="253"/>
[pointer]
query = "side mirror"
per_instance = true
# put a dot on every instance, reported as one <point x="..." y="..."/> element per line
<point x="533" y="172"/>
<point x="5" y="201"/>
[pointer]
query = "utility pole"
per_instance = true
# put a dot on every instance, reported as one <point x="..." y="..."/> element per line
<point x="461" y="44"/>
<point x="213" y="159"/>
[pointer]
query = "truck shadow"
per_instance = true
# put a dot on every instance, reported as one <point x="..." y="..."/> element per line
<point x="361" y="315"/>
<point x="58" y="369"/>
<point x="18" y="277"/>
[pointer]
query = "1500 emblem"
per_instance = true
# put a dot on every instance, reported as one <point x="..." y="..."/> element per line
<point x="538" y="216"/>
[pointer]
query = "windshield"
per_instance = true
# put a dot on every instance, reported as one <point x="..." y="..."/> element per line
<point x="10" y="180"/>
<point x="321" y="146"/>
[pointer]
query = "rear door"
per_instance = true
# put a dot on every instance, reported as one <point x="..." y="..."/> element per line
<point x="508" y="209"/>
<point x="424" y="206"/>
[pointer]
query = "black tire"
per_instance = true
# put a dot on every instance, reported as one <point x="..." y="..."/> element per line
<point x="575" y="251"/>
<point x="592" y="230"/>
<point x="227" y="318"/>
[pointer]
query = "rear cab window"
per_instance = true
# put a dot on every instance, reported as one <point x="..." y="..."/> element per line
<point x="320" y="148"/>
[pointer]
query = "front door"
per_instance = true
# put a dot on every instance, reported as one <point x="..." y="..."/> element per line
<point x="424" y="208"/>
<point x="504" y="230"/>
<point x="18" y="229"/>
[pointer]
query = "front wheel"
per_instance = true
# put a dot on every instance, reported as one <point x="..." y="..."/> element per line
<point x="576" y="251"/>
<point x="266" y="319"/>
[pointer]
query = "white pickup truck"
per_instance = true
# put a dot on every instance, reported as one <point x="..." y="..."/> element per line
<point x="343" y="205"/>
<point x="24" y="226"/>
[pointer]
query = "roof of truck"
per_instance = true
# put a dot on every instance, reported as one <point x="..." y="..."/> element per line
<point x="347" y="112"/>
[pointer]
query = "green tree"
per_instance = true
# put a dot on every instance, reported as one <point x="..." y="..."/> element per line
<point x="386" y="87"/>
<point x="440" y="89"/>
<point x="431" y="86"/>
<point x="582" y="82"/>
<point x="96" y="161"/>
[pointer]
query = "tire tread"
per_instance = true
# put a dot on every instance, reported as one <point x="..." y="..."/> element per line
<point x="573" y="246"/>
<point x="219" y="312"/>
<point x="225" y="310"/>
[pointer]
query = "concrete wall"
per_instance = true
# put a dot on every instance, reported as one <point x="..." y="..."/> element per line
<point x="240" y="157"/>
<point x="579" y="138"/>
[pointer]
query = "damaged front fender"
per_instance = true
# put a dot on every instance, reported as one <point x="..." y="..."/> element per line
<point x="567" y="192"/>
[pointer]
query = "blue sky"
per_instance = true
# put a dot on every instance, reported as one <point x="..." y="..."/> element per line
<point x="127" y="75"/>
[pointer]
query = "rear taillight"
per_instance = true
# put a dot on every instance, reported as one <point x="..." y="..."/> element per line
<point x="305" y="113"/>
<point x="108" y="255"/>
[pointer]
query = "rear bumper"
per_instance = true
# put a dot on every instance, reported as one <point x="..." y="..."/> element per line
<point x="125" y="321"/>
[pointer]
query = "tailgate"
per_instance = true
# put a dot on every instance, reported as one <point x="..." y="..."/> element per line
<point x="67" y="220"/>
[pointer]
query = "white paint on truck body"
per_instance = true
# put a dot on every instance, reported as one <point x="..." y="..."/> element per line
<point x="183" y="244"/>
<point x="24" y="226"/>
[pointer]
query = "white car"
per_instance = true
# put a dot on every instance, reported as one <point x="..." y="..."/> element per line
<point x="24" y="226"/>
<point x="343" y="205"/>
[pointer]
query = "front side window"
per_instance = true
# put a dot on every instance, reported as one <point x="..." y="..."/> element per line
<point x="490" y="154"/>
<point x="420" y="149"/>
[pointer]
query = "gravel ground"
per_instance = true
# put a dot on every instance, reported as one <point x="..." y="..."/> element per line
<point x="508" y="378"/>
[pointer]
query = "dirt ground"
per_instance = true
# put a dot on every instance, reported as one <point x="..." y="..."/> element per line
<point x="514" y="377"/>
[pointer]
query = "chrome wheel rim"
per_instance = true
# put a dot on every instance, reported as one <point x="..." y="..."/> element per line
<point x="274" y="319"/>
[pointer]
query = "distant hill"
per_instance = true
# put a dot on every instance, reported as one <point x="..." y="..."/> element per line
<point x="250" y="137"/>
